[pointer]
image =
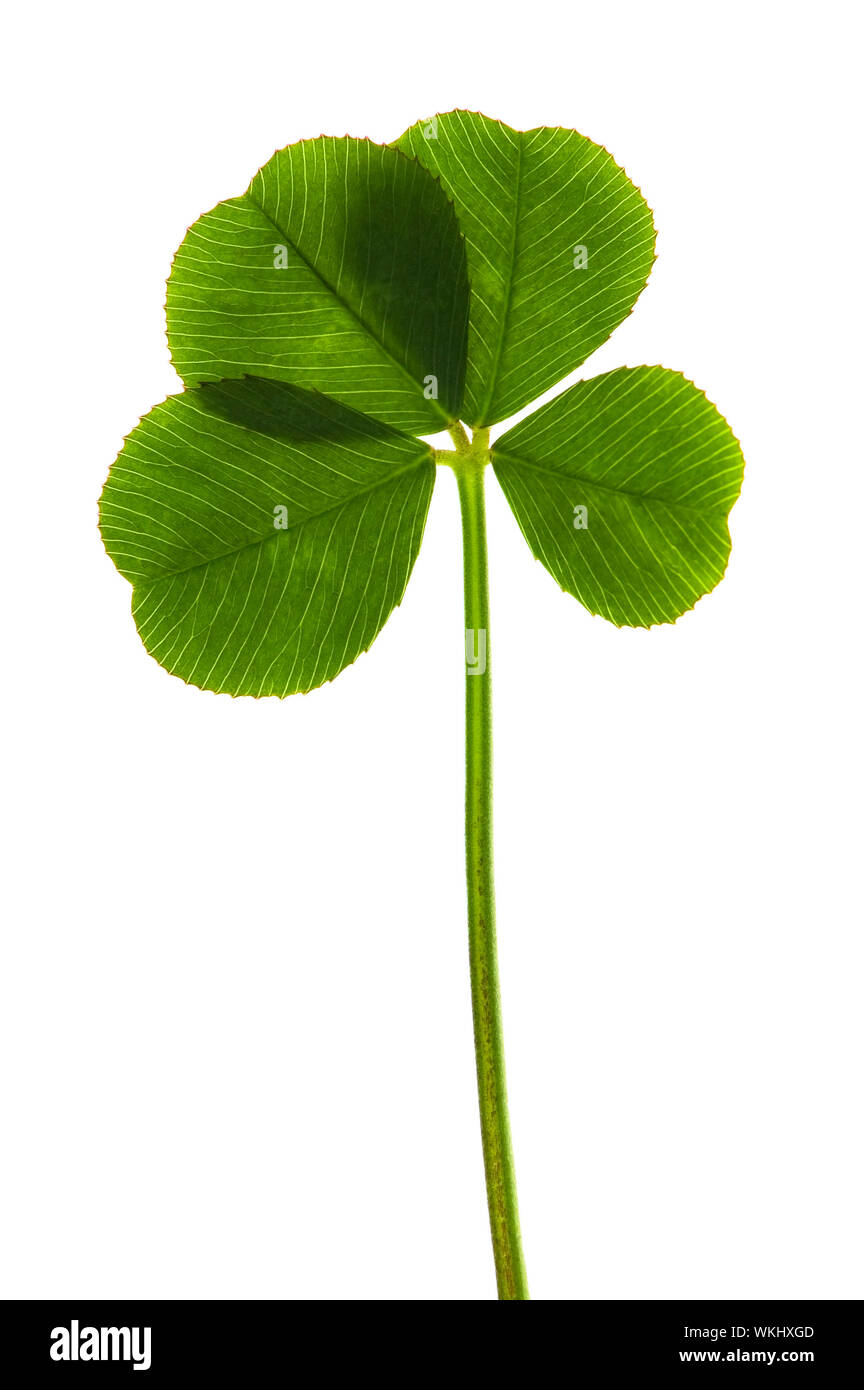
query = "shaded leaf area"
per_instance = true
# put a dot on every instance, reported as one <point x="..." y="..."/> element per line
<point x="656" y="469"/>
<point x="560" y="244"/>
<point x="268" y="533"/>
<point x="340" y="269"/>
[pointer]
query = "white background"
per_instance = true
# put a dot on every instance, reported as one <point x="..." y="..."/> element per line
<point x="235" y="1028"/>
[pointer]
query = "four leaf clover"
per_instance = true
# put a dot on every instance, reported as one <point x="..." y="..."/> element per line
<point x="355" y="298"/>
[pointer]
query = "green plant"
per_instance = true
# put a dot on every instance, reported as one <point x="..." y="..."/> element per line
<point x="358" y="296"/>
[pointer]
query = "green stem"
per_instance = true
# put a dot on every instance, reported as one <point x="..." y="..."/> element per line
<point x="485" y="993"/>
<point x="459" y="435"/>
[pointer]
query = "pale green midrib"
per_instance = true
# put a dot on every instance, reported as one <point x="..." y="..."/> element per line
<point x="439" y="410"/>
<point x="284" y="530"/>
<point x="505" y="317"/>
<point x="720" y="512"/>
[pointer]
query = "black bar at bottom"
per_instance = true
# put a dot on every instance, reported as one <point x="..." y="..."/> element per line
<point x="192" y="1342"/>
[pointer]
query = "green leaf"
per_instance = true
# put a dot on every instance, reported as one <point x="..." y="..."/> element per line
<point x="657" y="470"/>
<point x="268" y="533"/>
<point x="341" y="269"/>
<point x="526" y="201"/>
